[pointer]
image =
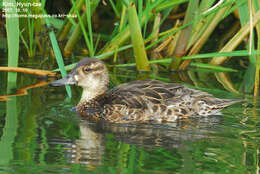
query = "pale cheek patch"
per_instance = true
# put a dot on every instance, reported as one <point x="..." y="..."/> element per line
<point x="91" y="83"/>
<point x="76" y="77"/>
<point x="94" y="82"/>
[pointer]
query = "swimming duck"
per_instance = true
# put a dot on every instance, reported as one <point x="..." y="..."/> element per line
<point x="139" y="101"/>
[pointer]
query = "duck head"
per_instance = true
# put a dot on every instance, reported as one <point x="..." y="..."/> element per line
<point x="91" y="74"/>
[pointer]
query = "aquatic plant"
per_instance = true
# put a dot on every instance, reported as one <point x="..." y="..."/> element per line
<point x="164" y="35"/>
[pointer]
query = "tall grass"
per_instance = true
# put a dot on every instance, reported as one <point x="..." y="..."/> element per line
<point x="201" y="19"/>
<point x="80" y="28"/>
<point x="137" y="40"/>
<point x="256" y="6"/>
<point x="12" y="30"/>
<point x="10" y="129"/>
<point x="185" y="34"/>
<point x="57" y="51"/>
<point x="148" y="31"/>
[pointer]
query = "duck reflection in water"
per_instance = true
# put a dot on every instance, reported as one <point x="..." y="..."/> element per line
<point x="91" y="146"/>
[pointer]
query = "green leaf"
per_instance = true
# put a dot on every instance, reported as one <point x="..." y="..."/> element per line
<point x="57" y="53"/>
<point x="12" y="29"/>
<point x="137" y="40"/>
<point x="215" y="67"/>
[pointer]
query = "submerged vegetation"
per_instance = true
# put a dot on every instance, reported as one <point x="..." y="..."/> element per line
<point x="165" y="35"/>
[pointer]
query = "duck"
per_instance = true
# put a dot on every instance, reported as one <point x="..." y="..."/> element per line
<point x="139" y="101"/>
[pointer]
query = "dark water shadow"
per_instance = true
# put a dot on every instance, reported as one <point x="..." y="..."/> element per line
<point x="91" y="145"/>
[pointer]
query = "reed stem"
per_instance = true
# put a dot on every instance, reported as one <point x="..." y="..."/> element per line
<point x="137" y="40"/>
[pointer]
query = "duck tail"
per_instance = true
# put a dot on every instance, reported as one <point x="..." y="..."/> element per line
<point x="227" y="102"/>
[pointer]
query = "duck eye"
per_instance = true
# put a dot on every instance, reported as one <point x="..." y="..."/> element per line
<point x="87" y="69"/>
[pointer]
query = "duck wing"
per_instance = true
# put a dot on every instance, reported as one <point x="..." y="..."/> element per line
<point x="138" y="93"/>
<point x="144" y="100"/>
<point x="152" y="100"/>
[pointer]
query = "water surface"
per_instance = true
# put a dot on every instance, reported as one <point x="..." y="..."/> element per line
<point x="40" y="133"/>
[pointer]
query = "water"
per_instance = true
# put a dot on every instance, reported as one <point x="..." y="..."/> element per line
<point x="40" y="133"/>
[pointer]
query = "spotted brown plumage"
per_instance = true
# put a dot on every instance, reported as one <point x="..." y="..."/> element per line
<point x="137" y="101"/>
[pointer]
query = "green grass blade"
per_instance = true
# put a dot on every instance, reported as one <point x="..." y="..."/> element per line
<point x="243" y="13"/>
<point x="167" y="33"/>
<point x="117" y="41"/>
<point x="97" y="42"/>
<point x="256" y="5"/>
<point x="199" y="65"/>
<point x="101" y="56"/>
<point x="183" y="40"/>
<point x="249" y="77"/>
<point x="137" y="40"/>
<point x="214" y="67"/>
<point x="24" y="42"/>
<point x="88" y="11"/>
<point x="57" y="53"/>
<point x="168" y="4"/>
<point x="59" y="59"/>
<point x="80" y="28"/>
<point x="68" y="22"/>
<point x="140" y="9"/>
<point x="121" y="25"/>
<point x="12" y="29"/>
<point x="30" y="27"/>
<point x="124" y="35"/>
<point x="114" y="8"/>
<point x="140" y="14"/>
<point x="236" y="40"/>
<point x="220" y="54"/>
<point x="235" y="7"/>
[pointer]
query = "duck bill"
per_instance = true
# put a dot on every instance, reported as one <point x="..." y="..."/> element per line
<point x="68" y="80"/>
